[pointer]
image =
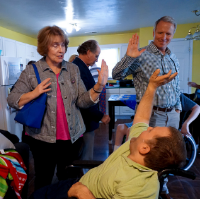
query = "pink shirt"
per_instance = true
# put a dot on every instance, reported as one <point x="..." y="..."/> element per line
<point x="62" y="130"/>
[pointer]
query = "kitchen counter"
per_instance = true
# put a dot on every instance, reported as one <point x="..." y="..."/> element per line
<point x="118" y="87"/>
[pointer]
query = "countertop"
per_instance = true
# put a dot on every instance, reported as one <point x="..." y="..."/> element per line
<point x="112" y="87"/>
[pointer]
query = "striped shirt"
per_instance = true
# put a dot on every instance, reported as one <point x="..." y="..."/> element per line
<point x="143" y="67"/>
<point x="94" y="72"/>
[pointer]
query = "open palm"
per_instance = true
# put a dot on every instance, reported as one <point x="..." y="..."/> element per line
<point x="132" y="49"/>
<point x="103" y="74"/>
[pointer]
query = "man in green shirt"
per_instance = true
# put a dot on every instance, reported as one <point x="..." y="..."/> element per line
<point x="131" y="171"/>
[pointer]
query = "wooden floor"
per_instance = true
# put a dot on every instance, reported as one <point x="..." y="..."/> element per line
<point x="179" y="187"/>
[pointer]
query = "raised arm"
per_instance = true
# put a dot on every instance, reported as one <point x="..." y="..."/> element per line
<point x="133" y="45"/>
<point x="102" y="80"/>
<point x="126" y="66"/>
<point x="144" y="109"/>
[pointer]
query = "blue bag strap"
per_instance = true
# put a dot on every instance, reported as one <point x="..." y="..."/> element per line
<point x="36" y="73"/>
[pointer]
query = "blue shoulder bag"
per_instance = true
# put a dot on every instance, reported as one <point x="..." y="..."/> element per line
<point x="32" y="113"/>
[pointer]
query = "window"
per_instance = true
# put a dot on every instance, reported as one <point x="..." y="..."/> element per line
<point x="111" y="57"/>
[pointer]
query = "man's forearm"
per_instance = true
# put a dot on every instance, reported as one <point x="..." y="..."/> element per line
<point x="193" y="115"/>
<point x="118" y="71"/>
<point x="144" y="109"/>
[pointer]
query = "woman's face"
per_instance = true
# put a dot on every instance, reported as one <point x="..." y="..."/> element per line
<point x="56" y="50"/>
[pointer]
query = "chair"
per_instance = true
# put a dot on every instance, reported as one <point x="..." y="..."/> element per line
<point x="23" y="150"/>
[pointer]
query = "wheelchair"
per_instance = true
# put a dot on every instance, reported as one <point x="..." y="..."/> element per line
<point x="191" y="152"/>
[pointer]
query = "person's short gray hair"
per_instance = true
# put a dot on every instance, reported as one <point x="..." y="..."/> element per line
<point x="87" y="45"/>
<point x="166" y="19"/>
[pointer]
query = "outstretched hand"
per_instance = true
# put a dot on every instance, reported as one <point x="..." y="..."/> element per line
<point x="192" y="84"/>
<point x="155" y="81"/>
<point x="133" y="44"/>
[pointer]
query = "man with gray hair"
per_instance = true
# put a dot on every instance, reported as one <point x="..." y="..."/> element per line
<point x="141" y="63"/>
<point x="88" y="54"/>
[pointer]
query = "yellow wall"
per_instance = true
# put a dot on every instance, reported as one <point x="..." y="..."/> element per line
<point x="17" y="36"/>
<point x="102" y="39"/>
<point x="145" y="34"/>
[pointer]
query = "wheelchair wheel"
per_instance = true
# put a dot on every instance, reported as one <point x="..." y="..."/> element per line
<point x="191" y="152"/>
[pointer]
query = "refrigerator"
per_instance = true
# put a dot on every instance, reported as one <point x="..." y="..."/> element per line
<point x="10" y="70"/>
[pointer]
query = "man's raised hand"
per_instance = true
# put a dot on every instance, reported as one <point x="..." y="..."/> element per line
<point x="103" y="74"/>
<point x="133" y="44"/>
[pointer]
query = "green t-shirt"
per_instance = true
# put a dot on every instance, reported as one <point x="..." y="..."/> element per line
<point x="120" y="177"/>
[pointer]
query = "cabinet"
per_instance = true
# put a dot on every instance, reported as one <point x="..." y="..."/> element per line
<point x="120" y="110"/>
<point x="1" y="45"/>
<point x="9" y="48"/>
<point x="30" y="52"/>
<point x="38" y="55"/>
<point x="12" y="48"/>
<point x="21" y="52"/>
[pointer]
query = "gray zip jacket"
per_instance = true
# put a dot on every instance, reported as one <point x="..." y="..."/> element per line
<point x="74" y="95"/>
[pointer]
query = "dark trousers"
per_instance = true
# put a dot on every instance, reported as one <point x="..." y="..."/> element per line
<point x="54" y="191"/>
<point x="48" y="155"/>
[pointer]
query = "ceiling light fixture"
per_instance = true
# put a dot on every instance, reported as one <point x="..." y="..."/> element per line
<point x="196" y="35"/>
<point x="72" y="26"/>
<point x="195" y="12"/>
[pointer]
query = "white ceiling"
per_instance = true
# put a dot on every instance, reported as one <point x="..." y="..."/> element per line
<point x="100" y="16"/>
